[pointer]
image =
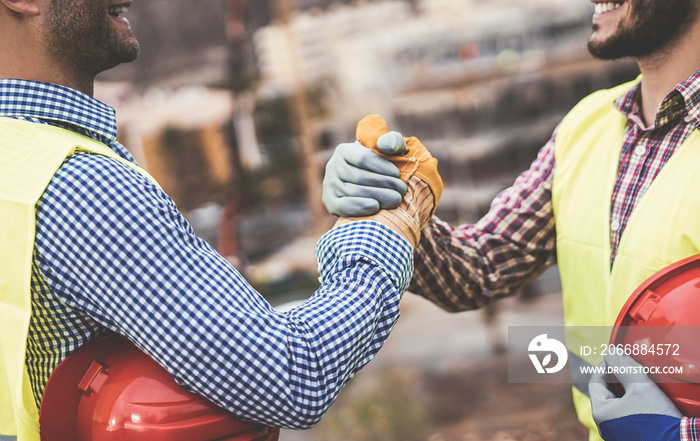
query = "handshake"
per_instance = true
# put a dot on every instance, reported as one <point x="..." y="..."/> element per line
<point x="385" y="178"/>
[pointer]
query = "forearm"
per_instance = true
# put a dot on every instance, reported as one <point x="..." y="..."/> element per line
<point x="286" y="369"/>
<point x="312" y="351"/>
<point x="467" y="266"/>
<point x="365" y="268"/>
<point x="462" y="268"/>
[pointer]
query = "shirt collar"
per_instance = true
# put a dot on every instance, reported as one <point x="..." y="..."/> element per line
<point x="690" y="91"/>
<point x="683" y="101"/>
<point x="58" y="105"/>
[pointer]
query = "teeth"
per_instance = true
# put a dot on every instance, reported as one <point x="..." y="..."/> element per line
<point x="117" y="11"/>
<point x="601" y="8"/>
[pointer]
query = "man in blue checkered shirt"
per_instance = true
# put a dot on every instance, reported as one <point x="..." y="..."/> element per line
<point x="113" y="254"/>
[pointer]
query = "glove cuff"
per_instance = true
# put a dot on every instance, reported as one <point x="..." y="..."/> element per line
<point x="642" y="427"/>
<point x="397" y="219"/>
<point x="410" y="217"/>
<point x="689" y="428"/>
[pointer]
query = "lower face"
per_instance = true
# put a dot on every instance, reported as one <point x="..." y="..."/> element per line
<point x="637" y="28"/>
<point x="89" y="34"/>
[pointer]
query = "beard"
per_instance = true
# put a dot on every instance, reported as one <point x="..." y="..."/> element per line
<point x="657" y="24"/>
<point x="80" y="33"/>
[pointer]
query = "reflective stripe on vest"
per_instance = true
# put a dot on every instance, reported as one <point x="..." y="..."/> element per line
<point x="31" y="154"/>
<point x="662" y="229"/>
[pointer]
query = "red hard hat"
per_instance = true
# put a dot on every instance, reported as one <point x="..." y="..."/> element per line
<point x="658" y="317"/>
<point x="109" y="390"/>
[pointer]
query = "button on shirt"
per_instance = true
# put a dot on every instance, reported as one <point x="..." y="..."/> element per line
<point x="467" y="266"/>
<point x="112" y="252"/>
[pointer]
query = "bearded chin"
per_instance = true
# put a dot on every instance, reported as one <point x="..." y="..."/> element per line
<point x="619" y="45"/>
<point x="655" y="29"/>
<point x="126" y="51"/>
<point x="79" y="34"/>
<point x="630" y="44"/>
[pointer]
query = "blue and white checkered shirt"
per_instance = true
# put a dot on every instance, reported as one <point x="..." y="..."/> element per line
<point x="112" y="252"/>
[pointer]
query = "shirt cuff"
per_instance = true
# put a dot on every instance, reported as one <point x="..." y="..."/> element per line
<point x="689" y="429"/>
<point x="368" y="241"/>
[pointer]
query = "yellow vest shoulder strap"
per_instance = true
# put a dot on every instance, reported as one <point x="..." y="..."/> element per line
<point x="31" y="154"/>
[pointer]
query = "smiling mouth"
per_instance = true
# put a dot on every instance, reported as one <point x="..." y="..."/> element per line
<point x="117" y="11"/>
<point x="601" y="8"/>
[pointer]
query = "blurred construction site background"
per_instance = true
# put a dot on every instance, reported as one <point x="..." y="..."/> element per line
<point x="236" y="106"/>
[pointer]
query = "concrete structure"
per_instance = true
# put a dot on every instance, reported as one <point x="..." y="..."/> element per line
<point x="178" y="135"/>
<point x="368" y="51"/>
<point x="483" y="83"/>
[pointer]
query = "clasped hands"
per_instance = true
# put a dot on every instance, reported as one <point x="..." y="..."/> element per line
<point x="383" y="177"/>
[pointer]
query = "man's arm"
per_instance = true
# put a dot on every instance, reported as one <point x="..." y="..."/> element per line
<point x="466" y="266"/>
<point x="115" y="249"/>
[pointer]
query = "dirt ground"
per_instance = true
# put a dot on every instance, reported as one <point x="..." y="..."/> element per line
<point x="444" y="377"/>
<point x="472" y="402"/>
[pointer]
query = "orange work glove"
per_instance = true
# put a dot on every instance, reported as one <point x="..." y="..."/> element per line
<point x="418" y="169"/>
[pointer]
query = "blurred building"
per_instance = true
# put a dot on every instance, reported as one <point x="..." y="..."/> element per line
<point x="368" y="51"/>
<point x="179" y="135"/>
<point x="206" y="106"/>
<point x="483" y="83"/>
<point x="183" y="43"/>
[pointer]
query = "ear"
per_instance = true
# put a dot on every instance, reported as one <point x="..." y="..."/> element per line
<point x="23" y="7"/>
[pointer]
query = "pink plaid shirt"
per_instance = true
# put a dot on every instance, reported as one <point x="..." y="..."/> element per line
<point x="689" y="429"/>
<point x="467" y="266"/>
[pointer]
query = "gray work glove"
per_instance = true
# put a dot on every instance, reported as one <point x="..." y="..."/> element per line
<point x="644" y="412"/>
<point x="359" y="182"/>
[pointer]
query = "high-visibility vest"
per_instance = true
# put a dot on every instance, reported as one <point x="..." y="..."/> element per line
<point x="662" y="229"/>
<point x="31" y="154"/>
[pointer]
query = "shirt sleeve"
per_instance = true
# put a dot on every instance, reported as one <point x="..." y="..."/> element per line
<point x="690" y="429"/>
<point x="112" y="246"/>
<point x="464" y="267"/>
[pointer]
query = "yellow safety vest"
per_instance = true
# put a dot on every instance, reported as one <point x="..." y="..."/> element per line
<point x="31" y="154"/>
<point x="662" y="229"/>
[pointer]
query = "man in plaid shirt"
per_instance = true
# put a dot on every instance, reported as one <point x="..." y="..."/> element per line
<point x="464" y="267"/>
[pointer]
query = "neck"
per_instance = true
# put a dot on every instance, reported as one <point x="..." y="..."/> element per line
<point x="36" y="70"/>
<point x="86" y="87"/>
<point x="664" y="70"/>
<point x="26" y="59"/>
